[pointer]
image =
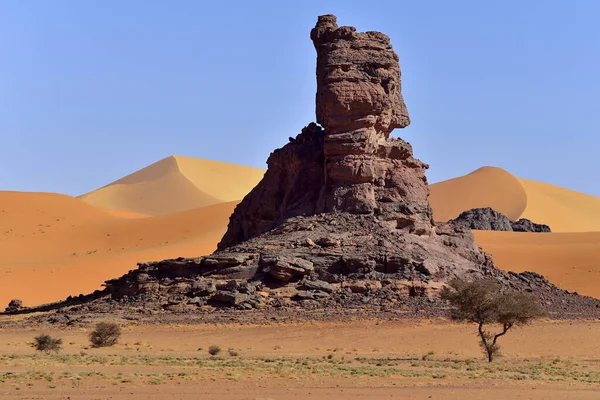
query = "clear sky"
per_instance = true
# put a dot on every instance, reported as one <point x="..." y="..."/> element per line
<point x="93" y="90"/>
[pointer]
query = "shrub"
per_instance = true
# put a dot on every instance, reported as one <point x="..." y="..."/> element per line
<point x="47" y="344"/>
<point x="485" y="303"/>
<point x="214" y="350"/>
<point x="106" y="334"/>
<point x="232" y="352"/>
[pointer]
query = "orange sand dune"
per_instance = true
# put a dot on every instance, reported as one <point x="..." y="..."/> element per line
<point x="176" y="184"/>
<point x="485" y="187"/>
<point x="562" y="209"/>
<point x="569" y="260"/>
<point x="53" y="246"/>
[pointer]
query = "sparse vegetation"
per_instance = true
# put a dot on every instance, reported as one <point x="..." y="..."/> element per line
<point x="106" y="334"/>
<point x="47" y="344"/>
<point x="213" y="350"/>
<point x="232" y="352"/>
<point x="485" y="303"/>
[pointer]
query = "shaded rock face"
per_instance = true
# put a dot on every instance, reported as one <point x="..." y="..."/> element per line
<point x="488" y="219"/>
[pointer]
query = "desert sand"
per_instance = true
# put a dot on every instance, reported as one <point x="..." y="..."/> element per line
<point x="356" y="359"/>
<point x="562" y="209"/>
<point x="53" y="246"/>
<point x="569" y="257"/>
<point x="176" y="184"/>
<point x="569" y="260"/>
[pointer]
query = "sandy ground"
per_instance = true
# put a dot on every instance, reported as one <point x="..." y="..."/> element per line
<point x="569" y="260"/>
<point x="176" y="184"/>
<point x="372" y="359"/>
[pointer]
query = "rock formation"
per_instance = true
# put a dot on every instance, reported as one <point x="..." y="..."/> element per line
<point x="340" y="203"/>
<point x="351" y="165"/>
<point x="488" y="219"/>
<point x="14" y="305"/>
<point x="525" y="225"/>
<point x="341" y="217"/>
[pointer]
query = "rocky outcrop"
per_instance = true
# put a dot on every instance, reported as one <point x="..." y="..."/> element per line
<point x="14" y="305"/>
<point x="525" y="225"/>
<point x="351" y="165"/>
<point x="487" y="219"/>
<point x="342" y="207"/>
<point x="484" y="219"/>
<point x="341" y="202"/>
<point x="341" y="217"/>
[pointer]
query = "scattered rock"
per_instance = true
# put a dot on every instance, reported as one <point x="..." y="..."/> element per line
<point x="304" y="295"/>
<point x="285" y="268"/>
<point x="317" y="285"/>
<point x="230" y="297"/>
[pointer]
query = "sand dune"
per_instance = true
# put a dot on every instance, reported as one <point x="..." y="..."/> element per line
<point x="176" y="184"/>
<point x="53" y="246"/>
<point x="569" y="260"/>
<point x="562" y="209"/>
<point x="485" y="187"/>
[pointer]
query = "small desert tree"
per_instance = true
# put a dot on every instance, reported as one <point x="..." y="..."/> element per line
<point x="485" y="303"/>
<point x="106" y="334"/>
<point x="47" y="344"/>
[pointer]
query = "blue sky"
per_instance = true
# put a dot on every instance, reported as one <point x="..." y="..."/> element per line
<point x="93" y="90"/>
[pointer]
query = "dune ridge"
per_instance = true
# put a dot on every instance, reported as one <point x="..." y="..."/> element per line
<point x="53" y="245"/>
<point x="176" y="184"/>
<point x="569" y="256"/>
<point x="484" y="187"/>
<point x="562" y="209"/>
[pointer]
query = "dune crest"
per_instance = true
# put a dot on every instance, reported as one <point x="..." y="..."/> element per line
<point x="176" y="184"/>
<point x="485" y="187"/>
<point x="562" y="209"/>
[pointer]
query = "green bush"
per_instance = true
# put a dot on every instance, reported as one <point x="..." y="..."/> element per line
<point x="485" y="302"/>
<point x="47" y="344"/>
<point x="106" y="334"/>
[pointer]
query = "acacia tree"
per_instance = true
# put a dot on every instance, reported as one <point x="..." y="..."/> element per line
<point x="485" y="303"/>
